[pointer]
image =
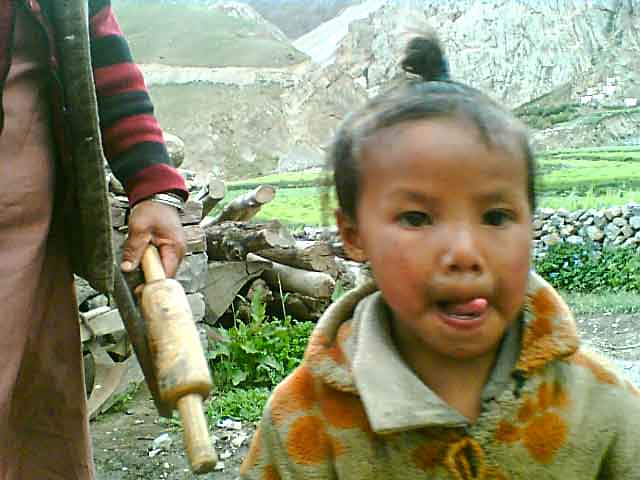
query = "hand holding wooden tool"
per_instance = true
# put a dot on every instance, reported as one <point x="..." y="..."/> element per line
<point x="181" y="369"/>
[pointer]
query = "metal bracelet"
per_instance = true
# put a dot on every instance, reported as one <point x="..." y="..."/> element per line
<point x="169" y="199"/>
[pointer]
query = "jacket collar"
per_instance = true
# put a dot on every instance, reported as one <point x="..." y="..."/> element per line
<point x="352" y="350"/>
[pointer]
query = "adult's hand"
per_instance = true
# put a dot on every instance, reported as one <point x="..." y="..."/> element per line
<point x="159" y="224"/>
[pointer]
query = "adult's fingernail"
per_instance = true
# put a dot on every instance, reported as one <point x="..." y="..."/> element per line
<point x="127" y="266"/>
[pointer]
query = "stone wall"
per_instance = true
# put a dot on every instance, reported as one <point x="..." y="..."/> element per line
<point x="612" y="226"/>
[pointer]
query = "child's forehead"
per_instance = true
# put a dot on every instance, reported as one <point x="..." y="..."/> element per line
<point x="441" y="155"/>
<point x="442" y="135"/>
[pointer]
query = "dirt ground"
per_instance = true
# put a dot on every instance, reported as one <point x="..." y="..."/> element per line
<point x="133" y="445"/>
<point x="124" y="441"/>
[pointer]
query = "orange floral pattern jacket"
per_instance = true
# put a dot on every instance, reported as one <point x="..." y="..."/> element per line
<point x="354" y="410"/>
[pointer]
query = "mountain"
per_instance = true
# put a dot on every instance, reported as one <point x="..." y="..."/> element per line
<point x="205" y="34"/>
<point x="544" y="58"/>
<point x="295" y="17"/>
<point x="569" y="68"/>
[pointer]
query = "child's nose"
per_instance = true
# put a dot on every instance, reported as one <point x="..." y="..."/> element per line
<point x="462" y="254"/>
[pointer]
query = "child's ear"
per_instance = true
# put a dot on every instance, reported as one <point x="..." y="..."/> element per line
<point x="350" y="237"/>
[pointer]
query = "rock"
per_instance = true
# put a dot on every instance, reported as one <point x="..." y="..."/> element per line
<point x="545" y="213"/>
<point x="193" y="271"/>
<point x="556" y="220"/>
<point x="551" y="239"/>
<point x="575" y="240"/>
<point x="588" y="221"/>
<point x="563" y="212"/>
<point x="634" y="209"/>
<point x="611" y="231"/>
<point x="538" y="223"/>
<point x="594" y="233"/>
<point x="635" y="222"/>
<point x="599" y="219"/>
<point x="613" y="212"/>
<point x="575" y="216"/>
<point x="163" y="442"/>
<point x="568" y="230"/>
<point x="175" y="147"/>
<point x="627" y="231"/>
<point x="620" y="221"/>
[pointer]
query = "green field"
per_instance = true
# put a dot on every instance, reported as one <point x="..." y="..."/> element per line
<point x="571" y="179"/>
<point x="192" y="35"/>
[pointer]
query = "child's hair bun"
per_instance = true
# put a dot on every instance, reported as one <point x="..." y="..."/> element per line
<point x="424" y="56"/>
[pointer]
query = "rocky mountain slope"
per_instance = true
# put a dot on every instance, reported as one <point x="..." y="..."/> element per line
<point x="568" y="67"/>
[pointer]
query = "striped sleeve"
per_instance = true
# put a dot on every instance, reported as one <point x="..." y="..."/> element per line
<point x="132" y="137"/>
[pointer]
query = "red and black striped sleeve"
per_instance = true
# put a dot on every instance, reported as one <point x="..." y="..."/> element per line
<point x="132" y="137"/>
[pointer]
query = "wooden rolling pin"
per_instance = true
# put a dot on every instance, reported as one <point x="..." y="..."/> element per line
<point x="181" y="369"/>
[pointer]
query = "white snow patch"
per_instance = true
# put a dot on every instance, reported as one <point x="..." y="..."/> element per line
<point x="322" y="42"/>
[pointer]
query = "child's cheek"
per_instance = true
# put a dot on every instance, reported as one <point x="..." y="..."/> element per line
<point x="400" y="285"/>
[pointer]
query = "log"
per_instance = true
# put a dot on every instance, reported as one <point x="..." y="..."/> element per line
<point x="234" y="240"/>
<point x="213" y="194"/>
<point x="311" y="284"/>
<point x="315" y="256"/>
<point x="304" y="308"/>
<point x="225" y="280"/>
<point x="244" y="207"/>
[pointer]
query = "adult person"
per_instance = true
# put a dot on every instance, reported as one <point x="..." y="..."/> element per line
<point x="44" y="431"/>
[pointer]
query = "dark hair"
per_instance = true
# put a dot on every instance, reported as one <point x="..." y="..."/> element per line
<point x="432" y="95"/>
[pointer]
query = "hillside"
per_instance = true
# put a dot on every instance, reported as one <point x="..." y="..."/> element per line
<point x="192" y="34"/>
<point x="569" y="68"/>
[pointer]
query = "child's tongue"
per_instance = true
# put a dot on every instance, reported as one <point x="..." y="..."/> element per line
<point x="474" y="307"/>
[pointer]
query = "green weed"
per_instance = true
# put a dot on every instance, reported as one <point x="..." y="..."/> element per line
<point x="241" y="404"/>
<point x="577" y="268"/>
<point x="259" y="353"/>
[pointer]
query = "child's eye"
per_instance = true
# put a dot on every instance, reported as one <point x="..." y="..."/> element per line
<point x="414" y="219"/>
<point x="497" y="217"/>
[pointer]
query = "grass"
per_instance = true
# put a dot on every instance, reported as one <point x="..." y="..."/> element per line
<point x="239" y="404"/>
<point x="580" y="200"/>
<point x="570" y="174"/>
<point x="195" y="35"/>
<point x="610" y="303"/>
<point x="571" y="179"/>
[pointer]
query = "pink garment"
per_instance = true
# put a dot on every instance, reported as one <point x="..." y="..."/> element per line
<point x="44" y="433"/>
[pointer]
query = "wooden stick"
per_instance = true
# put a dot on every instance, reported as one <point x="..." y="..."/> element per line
<point x="152" y="265"/>
<point x="201" y="454"/>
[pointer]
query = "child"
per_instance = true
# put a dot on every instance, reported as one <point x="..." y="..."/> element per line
<point x="458" y="363"/>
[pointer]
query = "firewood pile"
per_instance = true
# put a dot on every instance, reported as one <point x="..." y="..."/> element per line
<point x="229" y="260"/>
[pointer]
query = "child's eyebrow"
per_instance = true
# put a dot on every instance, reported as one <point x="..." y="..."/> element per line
<point x="414" y="196"/>
<point x="496" y="196"/>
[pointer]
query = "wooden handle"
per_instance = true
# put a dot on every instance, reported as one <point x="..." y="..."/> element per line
<point x="152" y="265"/>
<point x="202" y="455"/>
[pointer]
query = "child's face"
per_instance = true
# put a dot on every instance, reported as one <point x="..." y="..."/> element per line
<point x="445" y="223"/>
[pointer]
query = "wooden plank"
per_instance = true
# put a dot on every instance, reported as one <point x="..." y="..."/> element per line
<point x="99" y="322"/>
<point x="225" y="280"/>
